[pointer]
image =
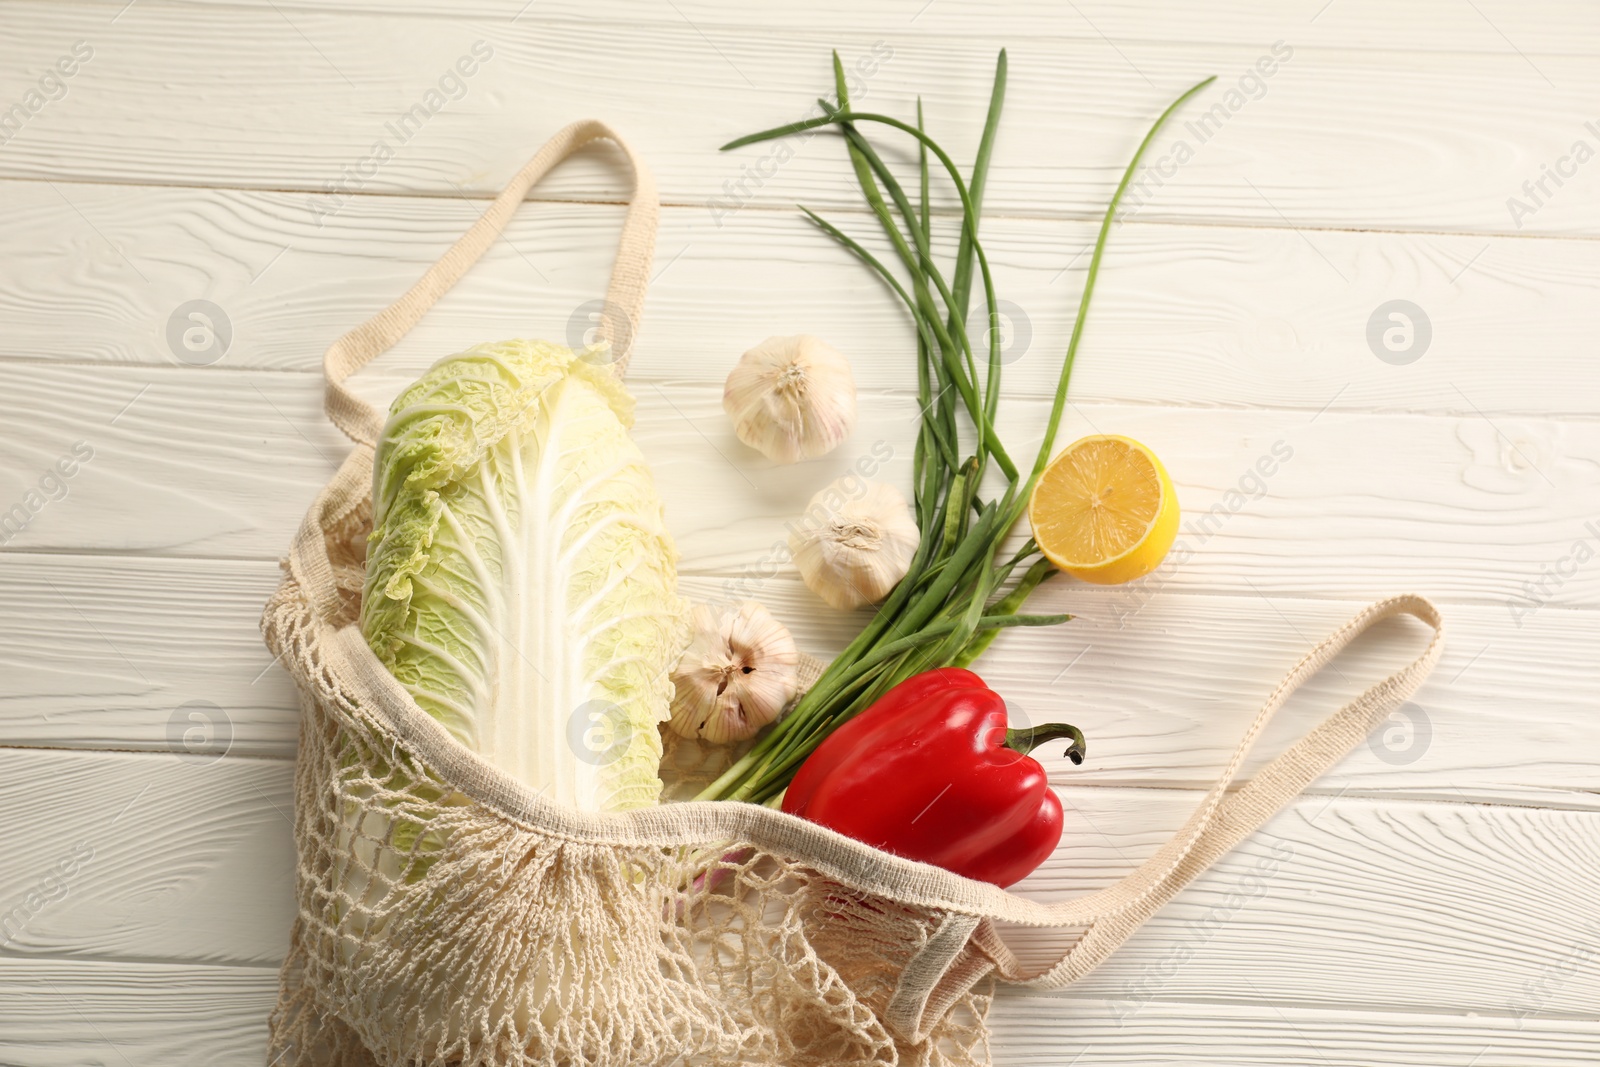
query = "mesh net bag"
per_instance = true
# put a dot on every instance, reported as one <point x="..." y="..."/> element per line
<point x="449" y="915"/>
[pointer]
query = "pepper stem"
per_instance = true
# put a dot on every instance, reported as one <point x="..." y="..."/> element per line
<point x="1025" y="741"/>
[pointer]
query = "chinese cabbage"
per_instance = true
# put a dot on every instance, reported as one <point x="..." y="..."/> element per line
<point x="521" y="584"/>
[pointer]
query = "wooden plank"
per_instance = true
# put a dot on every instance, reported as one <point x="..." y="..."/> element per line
<point x="126" y="463"/>
<point x="122" y="653"/>
<point x="1038" y="1031"/>
<point x="1563" y="27"/>
<point x="1165" y="689"/>
<point x="66" y="1013"/>
<point x="149" y="857"/>
<point x="194" y="462"/>
<point x="1335" y="138"/>
<point x="159" y="1014"/>
<point x="1186" y="315"/>
<point x="153" y="654"/>
<point x="1350" y="902"/>
<point x="1292" y="913"/>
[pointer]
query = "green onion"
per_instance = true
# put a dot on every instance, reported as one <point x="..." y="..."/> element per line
<point x="954" y="600"/>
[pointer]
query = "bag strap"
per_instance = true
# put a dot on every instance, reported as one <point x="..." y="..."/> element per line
<point x="619" y="318"/>
<point x="1224" y="819"/>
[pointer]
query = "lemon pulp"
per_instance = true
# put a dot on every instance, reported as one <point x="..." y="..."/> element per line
<point x="1104" y="510"/>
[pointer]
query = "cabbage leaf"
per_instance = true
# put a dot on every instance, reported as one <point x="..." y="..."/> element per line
<point x="521" y="583"/>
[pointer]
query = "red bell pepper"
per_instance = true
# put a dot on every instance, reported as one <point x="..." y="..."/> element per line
<point x="932" y="772"/>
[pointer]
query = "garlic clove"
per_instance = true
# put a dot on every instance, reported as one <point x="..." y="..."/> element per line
<point x="739" y="673"/>
<point x="855" y="542"/>
<point x="791" y="398"/>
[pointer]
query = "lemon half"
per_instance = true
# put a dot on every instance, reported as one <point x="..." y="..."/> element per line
<point x="1104" y="510"/>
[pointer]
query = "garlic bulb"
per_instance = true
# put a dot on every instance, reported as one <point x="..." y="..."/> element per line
<point x="738" y="674"/>
<point x="854" y="542"/>
<point x="791" y="398"/>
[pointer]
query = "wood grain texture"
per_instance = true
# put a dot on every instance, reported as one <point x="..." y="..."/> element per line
<point x="1564" y="27"/>
<point x="117" y="653"/>
<point x="122" y="653"/>
<point x="150" y="857"/>
<point x="1039" y="1032"/>
<point x="1185" y="315"/>
<point x="1336" y="137"/>
<point x="1428" y="906"/>
<point x="1346" y="901"/>
<point x="72" y="1013"/>
<point x="1297" y="914"/>
<point x="192" y="461"/>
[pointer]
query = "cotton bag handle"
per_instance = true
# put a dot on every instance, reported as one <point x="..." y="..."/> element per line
<point x="619" y="319"/>
<point x="1224" y="819"/>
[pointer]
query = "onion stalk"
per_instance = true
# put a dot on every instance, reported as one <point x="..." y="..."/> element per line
<point x="958" y="594"/>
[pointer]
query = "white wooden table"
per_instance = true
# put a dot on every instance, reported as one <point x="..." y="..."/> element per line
<point x="1434" y="901"/>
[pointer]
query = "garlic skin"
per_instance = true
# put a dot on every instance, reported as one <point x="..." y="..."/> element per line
<point x="791" y="398"/>
<point x="739" y="673"/>
<point x="853" y="546"/>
